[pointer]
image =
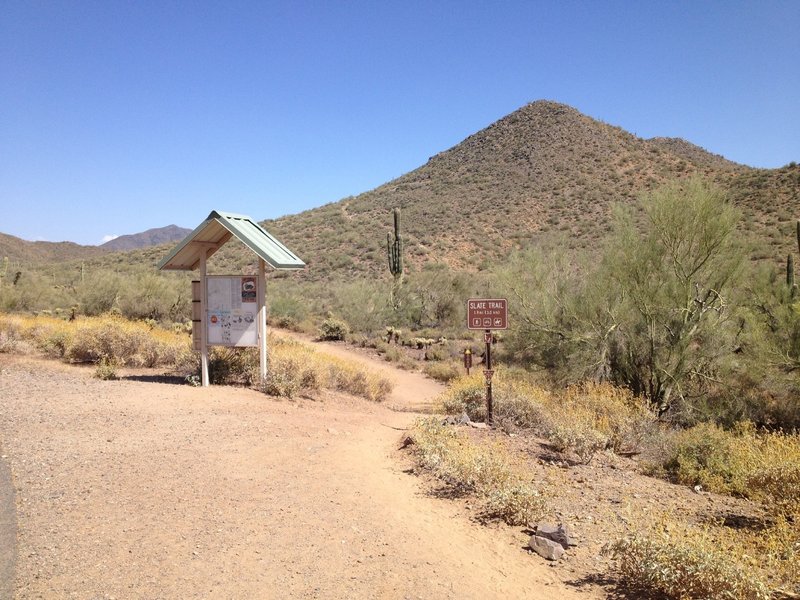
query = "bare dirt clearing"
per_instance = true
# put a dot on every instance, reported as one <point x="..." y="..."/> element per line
<point x="134" y="489"/>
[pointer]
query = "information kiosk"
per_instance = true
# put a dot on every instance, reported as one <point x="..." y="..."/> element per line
<point x="229" y="310"/>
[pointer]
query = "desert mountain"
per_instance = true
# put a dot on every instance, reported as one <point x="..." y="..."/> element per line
<point x="544" y="169"/>
<point x="151" y="237"/>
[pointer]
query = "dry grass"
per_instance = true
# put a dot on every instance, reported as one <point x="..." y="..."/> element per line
<point x="583" y="419"/>
<point x="670" y="557"/>
<point x="762" y="466"/>
<point x="111" y="342"/>
<point x="485" y="469"/>
<point x="295" y="368"/>
<point x="94" y="339"/>
<point x="680" y="563"/>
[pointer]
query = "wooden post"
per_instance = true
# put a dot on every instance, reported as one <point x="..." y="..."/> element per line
<point x="204" y="317"/>
<point x="262" y="317"/>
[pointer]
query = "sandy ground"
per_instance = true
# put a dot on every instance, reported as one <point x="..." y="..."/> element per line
<point x="138" y="489"/>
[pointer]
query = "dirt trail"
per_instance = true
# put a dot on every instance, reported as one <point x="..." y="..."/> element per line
<point x="133" y="489"/>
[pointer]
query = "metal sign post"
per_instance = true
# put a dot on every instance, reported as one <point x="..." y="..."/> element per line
<point x="488" y="372"/>
<point x="488" y="314"/>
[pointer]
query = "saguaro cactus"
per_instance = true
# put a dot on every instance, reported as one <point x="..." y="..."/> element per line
<point x="394" y="247"/>
<point x="394" y="250"/>
<point x="790" y="268"/>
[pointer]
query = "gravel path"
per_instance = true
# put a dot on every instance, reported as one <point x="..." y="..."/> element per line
<point x="130" y="489"/>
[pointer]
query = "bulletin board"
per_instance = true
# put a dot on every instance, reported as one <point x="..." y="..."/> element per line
<point x="232" y="310"/>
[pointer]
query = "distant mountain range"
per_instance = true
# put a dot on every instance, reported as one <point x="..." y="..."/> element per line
<point x="22" y="251"/>
<point x="151" y="237"/>
<point x="544" y="170"/>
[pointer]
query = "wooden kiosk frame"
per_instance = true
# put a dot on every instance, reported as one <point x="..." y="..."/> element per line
<point x="196" y="248"/>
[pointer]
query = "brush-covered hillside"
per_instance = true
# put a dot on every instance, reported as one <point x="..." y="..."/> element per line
<point x="24" y="252"/>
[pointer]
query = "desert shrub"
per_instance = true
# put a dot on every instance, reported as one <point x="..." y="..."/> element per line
<point x="148" y="296"/>
<point x="106" y="369"/>
<point x="710" y="456"/>
<point x="8" y="343"/>
<point x="286" y="309"/>
<point x="362" y="304"/>
<point x="233" y="366"/>
<point x="333" y="329"/>
<point x="99" y="293"/>
<point x="778" y="485"/>
<point x="516" y="503"/>
<point x="577" y="436"/>
<point x="127" y="342"/>
<point x="282" y="379"/>
<point x="350" y="377"/>
<point x="487" y="470"/>
<point x="583" y="418"/>
<point x="51" y="336"/>
<point x="520" y="404"/>
<point x="684" y="566"/>
<point x="442" y="371"/>
<point x="437" y="353"/>
<point x="743" y="461"/>
<point x="466" y="394"/>
<point x="613" y="412"/>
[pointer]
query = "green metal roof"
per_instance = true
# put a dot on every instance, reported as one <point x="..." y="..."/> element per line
<point x="216" y="230"/>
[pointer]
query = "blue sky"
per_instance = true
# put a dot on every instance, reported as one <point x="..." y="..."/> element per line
<point x="120" y="116"/>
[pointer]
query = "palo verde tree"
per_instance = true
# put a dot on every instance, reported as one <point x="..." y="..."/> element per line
<point x="672" y="276"/>
<point x="652" y="314"/>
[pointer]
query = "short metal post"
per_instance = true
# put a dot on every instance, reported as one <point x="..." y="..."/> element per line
<point x="488" y="373"/>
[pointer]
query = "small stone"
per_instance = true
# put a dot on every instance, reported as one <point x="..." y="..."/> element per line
<point x="559" y="534"/>
<point x="478" y="425"/>
<point x="545" y="548"/>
